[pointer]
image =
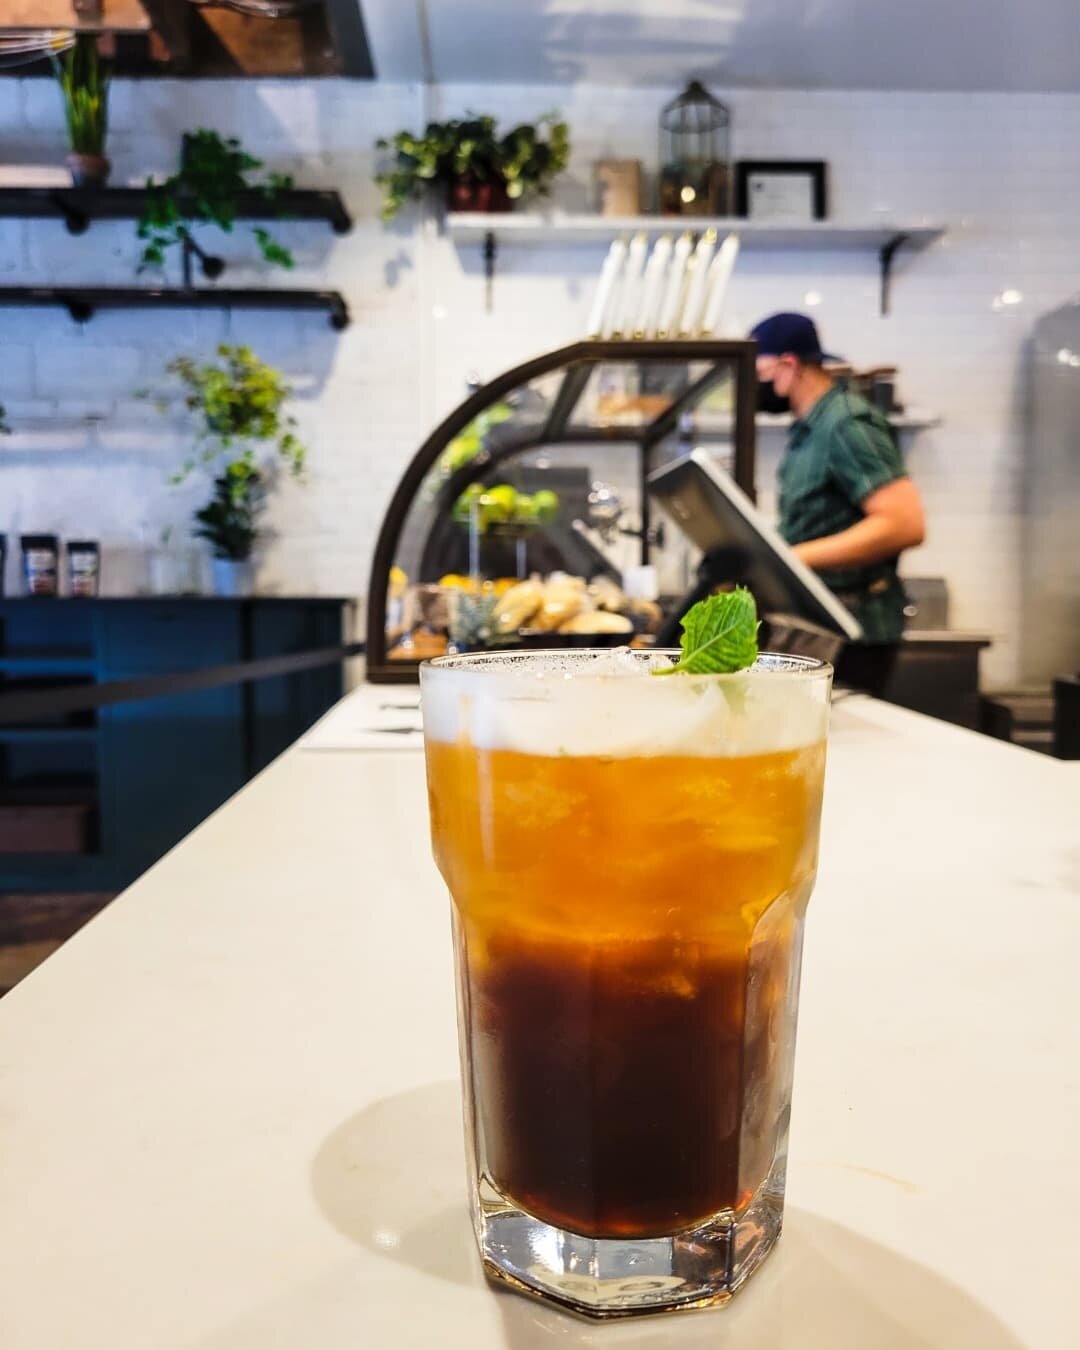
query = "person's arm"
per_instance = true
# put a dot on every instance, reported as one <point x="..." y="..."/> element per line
<point x="893" y="521"/>
<point x="866" y="465"/>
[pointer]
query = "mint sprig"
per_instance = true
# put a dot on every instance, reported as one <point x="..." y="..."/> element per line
<point x="719" y="635"/>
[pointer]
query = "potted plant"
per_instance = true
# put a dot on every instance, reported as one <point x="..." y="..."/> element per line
<point x="5" y="430"/>
<point x="84" y="88"/>
<point x="213" y="174"/>
<point x="475" y="167"/>
<point x="229" y="522"/>
<point x="242" y="432"/>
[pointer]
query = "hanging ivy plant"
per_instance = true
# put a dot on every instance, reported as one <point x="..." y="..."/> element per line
<point x="212" y="176"/>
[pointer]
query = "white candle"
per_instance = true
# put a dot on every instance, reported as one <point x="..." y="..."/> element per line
<point x="652" y="290"/>
<point x="611" y="309"/>
<point x="631" y="285"/>
<point x="608" y="276"/>
<point x="696" y="291"/>
<point x="669" y="310"/>
<point x="719" y="276"/>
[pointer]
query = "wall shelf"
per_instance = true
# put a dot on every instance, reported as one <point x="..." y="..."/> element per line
<point x="79" y="207"/>
<point x="712" y="425"/>
<point x="914" y="419"/>
<point x="885" y="238"/>
<point x="82" y="302"/>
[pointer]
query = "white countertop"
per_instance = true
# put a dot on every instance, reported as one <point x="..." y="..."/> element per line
<point x="228" y="1107"/>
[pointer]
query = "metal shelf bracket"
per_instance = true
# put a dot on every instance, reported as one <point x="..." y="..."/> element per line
<point x="888" y="252"/>
<point x="76" y="220"/>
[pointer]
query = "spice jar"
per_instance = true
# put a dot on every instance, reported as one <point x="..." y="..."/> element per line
<point x="40" y="557"/>
<point x="84" y="567"/>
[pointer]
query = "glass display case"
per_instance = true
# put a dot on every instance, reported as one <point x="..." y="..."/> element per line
<point x="524" y="519"/>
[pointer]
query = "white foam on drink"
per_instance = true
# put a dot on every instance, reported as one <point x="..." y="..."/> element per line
<point x="607" y="703"/>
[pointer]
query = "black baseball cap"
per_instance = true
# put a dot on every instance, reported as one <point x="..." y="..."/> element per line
<point x="790" y="335"/>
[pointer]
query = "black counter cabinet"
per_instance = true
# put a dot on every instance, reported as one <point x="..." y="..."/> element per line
<point x="90" y="798"/>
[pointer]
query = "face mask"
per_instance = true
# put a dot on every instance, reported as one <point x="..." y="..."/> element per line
<point x="769" y="401"/>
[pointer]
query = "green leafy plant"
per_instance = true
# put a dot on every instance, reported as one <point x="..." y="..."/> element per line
<point x="238" y="403"/>
<point x="84" y="87"/>
<point x="472" y="439"/>
<point x="525" y="159"/>
<point x="719" y="635"/>
<point x="504" y="505"/>
<point x="213" y="174"/>
<point x="229" y="521"/>
<point x="5" y="430"/>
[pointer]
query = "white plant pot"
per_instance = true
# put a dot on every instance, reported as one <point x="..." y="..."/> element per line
<point x="233" y="578"/>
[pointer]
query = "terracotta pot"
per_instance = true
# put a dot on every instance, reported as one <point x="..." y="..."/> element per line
<point x="88" y="171"/>
<point x="477" y="194"/>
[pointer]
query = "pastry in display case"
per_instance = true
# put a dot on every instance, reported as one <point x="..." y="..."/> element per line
<point x="524" y="519"/>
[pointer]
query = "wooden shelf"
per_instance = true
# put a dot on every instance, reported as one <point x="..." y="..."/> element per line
<point x="885" y="238"/>
<point x="79" y="207"/>
<point x="82" y="302"/>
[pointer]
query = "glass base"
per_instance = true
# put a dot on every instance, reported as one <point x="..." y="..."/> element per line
<point x="702" y="1267"/>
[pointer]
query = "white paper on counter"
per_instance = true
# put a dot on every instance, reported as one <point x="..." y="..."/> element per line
<point x="372" y="717"/>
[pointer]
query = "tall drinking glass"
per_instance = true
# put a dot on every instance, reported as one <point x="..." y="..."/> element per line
<point x="630" y="859"/>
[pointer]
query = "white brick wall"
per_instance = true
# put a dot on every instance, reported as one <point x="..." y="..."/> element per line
<point x="1003" y="172"/>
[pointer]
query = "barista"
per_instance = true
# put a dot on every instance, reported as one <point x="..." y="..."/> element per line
<point x="847" y="506"/>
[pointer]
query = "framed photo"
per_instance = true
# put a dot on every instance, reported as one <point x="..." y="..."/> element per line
<point x="780" y="189"/>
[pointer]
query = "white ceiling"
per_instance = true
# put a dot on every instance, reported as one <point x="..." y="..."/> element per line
<point x="804" y="44"/>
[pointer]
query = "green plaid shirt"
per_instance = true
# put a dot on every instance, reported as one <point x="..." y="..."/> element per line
<point x="841" y="452"/>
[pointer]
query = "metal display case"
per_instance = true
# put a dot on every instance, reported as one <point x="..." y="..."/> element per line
<point x="543" y="472"/>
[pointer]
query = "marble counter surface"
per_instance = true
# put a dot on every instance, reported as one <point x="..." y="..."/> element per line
<point x="229" y="1111"/>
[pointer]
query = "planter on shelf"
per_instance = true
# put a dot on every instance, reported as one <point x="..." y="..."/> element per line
<point x="477" y="194"/>
<point x="469" y="162"/>
<point x="234" y="578"/>
<point x="88" y="171"/>
<point x="83" y="78"/>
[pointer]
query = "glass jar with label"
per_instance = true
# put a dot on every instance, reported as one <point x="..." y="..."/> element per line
<point x="40" y="556"/>
<point x="84" y="567"/>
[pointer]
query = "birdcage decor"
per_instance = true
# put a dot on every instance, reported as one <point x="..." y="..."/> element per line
<point x="695" y="154"/>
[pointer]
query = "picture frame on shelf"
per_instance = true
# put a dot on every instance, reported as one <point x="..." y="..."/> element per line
<point x="787" y="190"/>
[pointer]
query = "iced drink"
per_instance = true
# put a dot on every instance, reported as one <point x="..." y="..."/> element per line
<point x="630" y="859"/>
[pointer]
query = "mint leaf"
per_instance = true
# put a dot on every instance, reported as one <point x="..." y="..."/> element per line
<point x="719" y="635"/>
